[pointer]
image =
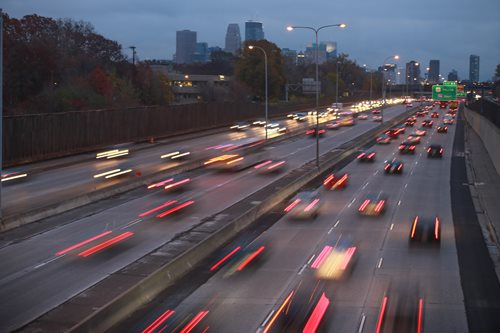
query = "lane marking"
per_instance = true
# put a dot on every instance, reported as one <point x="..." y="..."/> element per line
<point x="336" y="223"/>
<point x="380" y="262"/>
<point x="330" y="231"/>
<point x="406" y="185"/>
<point x="392" y="226"/>
<point x="48" y="261"/>
<point x="349" y="205"/>
<point x="362" y="324"/>
<point x="366" y="185"/>
<point x="131" y="223"/>
<point x="267" y="318"/>
<point x="399" y="203"/>
<point x="312" y="257"/>
<point x="302" y="269"/>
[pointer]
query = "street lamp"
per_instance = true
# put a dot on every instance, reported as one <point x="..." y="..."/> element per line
<point x="395" y="57"/>
<point x="251" y="47"/>
<point x="316" y="30"/>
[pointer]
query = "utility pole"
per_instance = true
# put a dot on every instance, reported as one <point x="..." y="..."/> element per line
<point x="133" y="54"/>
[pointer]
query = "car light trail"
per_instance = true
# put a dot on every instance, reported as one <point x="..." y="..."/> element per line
<point x="158" y="208"/>
<point x="414" y="227"/>
<point x="250" y="258"/>
<point x="12" y="176"/>
<point x="328" y="179"/>
<point x="118" y="173"/>
<point x="172" y="210"/>
<point x="160" y="184"/>
<point x="322" y="256"/>
<point x="180" y="155"/>
<point x="195" y="321"/>
<point x="158" y="321"/>
<point x="381" y="315"/>
<point x="170" y="154"/>
<point x="226" y="257"/>
<point x="105" y="244"/>
<point x="273" y="319"/>
<point x="317" y="314"/>
<point x="178" y="183"/>
<point x="66" y="250"/>
<point x="235" y="160"/>
<point x="106" y="173"/>
<point x="420" y="310"/>
<point x="311" y="205"/>
<point x="379" y="206"/>
<point x="292" y="205"/>
<point x="258" y="166"/>
<point x="347" y="258"/>
<point x="363" y="205"/>
<point x="436" y="229"/>
<point x="276" y="165"/>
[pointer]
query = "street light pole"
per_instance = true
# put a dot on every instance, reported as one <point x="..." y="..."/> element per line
<point x="396" y="57"/>
<point x="337" y="86"/>
<point x="265" y="79"/>
<point x="316" y="30"/>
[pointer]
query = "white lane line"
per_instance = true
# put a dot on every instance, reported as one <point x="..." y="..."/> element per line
<point x="416" y="162"/>
<point x="302" y="269"/>
<point x="362" y="324"/>
<point x="366" y="185"/>
<point x="392" y="226"/>
<point x="406" y="185"/>
<point x="399" y="203"/>
<point x="131" y="223"/>
<point x="267" y="318"/>
<point x="336" y="223"/>
<point x="330" y="231"/>
<point x="376" y="173"/>
<point x="349" y="205"/>
<point x="380" y="262"/>
<point x="48" y="261"/>
<point x="312" y="257"/>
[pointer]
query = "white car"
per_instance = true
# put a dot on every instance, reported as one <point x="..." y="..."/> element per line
<point x="362" y="117"/>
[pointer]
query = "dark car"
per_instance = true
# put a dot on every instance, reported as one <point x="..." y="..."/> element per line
<point x="394" y="166"/>
<point x="435" y="114"/>
<point x="333" y="125"/>
<point x="427" y="123"/>
<point x="425" y="230"/>
<point x="312" y="132"/>
<point x="376" y="111"/>
<point x="367" y="156"/>
<point x="407" y="147"/>
<point x="420" y="113"/>
<point x="335" y="182"/>
<point x="393" y="133"/>
<point x="383" y="139"/>
<point x="409" y="123"/>
<point x="442" y="129"/>
<point x="373" y="204"/>
<point x="435" y="151"/>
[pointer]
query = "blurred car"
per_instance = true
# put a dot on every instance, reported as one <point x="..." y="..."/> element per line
<point x="240" y="126"/>
<point x="442" y="129"/>
<point x="419" y="132"/>
<point x="377" y="118"/>
<point x="376" y="111"/>
<point x="409" y="123"/>
<point x="13" y="176"/>
<point x="402" y="128"/>
<point x="412" y="118"/>
<point x="312" y="113"/>
<point x="409" y="105"/>
<point x="112" y="153"/>
<point x="435" y="150"/>
<point x="276" y="127"/>
<point x="305" y="205"/>
<point x="270" y="166"/>
<point x="435" y="114"/>
<point x="243" y="259"/>
<point x="427" y="123"/>
<point x="393" y="133"/>
<point x="333" y="182"/>
<point x="301" y="116"/>
<point x="420" y="113"/>
<point x="178" y="154"/>
<point x="394" y="166"/>
<point x="259" y="122"/>
<point x="174" y="183"/>
<point x="312" y="132"/>
<point x="335" y="261"/>
<point x="407" y="147"/>
<point x="425" y="230"/>
<point x="448" y="120"/>
<point x="415" y="139"/>
<point x="374" y="204"/>
<point x="121" y="171"/>
<point x="333" y="125"/>
<point x="349" y="121"/>
<point x="362" y="117"/>
<point x="383" y="139"/>
<point x="367" y="156"/>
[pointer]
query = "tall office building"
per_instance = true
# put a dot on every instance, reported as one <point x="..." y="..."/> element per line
<point x="201" y="53"/>
<point x="326" y="51"/>
<point x="453" y="75"/>
<point x="185" y="46"/>
<point x="389" y="73"/>
<point x="412" y="72"/>
<point x="433" y="71"/>
<point x="233" y="38"/>
<point x="289" y="55"/>
<point x="474" y="68"/>
<point x="253" y="31"/>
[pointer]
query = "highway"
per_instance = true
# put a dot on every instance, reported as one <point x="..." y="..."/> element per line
<point x="56" y="261"/>
<point x="386" y="265"/>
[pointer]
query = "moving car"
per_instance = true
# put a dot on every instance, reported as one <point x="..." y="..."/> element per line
<point x="415" y="139"/>
<point x="409" y="123"/>
<point x="240" y="126"/>
<point x="435" y="150"/>
<point x="377" y="118"/>
<point x="394" y="166"/>
<point x="448" y="120"/>
<point x="393" y="133"/>
<point x="425" y="230"/>
<point x="13" y="176"/>
<point x="362" y="117"/>
<point x="270" y="166"/>
<point x="333" y="125"/>
<point x="335" y="261"/>
<point x="427" y="123"/>
<point x="367" y="156"/>
<point x="276" y="127"/>
<point x="312" y="132"/>
<point x="178" y="154"/>
<point x="383" y="139"/>
<point x="333" y="182"/>
<point x="174" y="183"/>
<point x="305" y="205"/>
<point x="407" y="147"/>
<point x="300" y="116"/>
<point x="376" y="111"/>
<point x="374" y="204"/>
<point x="419" y="132"/>
<point x="259" y="122"/>
<point x="435" y="114"/>
<point x="442" y="128"/>
<point x="420" y="113"/>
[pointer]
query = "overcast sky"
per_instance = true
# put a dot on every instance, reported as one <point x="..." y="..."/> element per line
<point x="448" y="30"/>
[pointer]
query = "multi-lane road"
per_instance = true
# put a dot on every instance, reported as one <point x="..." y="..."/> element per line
<point x="41" y="271"/>
<point x="386" y="265"/>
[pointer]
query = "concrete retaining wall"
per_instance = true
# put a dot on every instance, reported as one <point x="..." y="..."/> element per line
<point x="489" y="134"/>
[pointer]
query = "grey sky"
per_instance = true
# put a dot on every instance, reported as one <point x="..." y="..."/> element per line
<point x="448" y="30"/>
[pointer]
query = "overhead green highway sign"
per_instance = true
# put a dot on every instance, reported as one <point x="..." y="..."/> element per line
<point x="444" y="92"/>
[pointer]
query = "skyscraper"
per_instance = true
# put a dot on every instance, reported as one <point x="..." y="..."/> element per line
<point x="389" y="73"/>
<point x="412" y="72"/>
<point x="201" y="53"/>
<point x="253" y="31"/>
<point x="433" y="71"/>
<point x="233" y="38"/>
<point x="474" y="68"/>
<point x="185" y="46"/>
<point x="453" y="75"/>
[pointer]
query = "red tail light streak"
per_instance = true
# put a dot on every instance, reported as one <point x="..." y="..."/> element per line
<point x="278" y="312"/>
<point x="276" y="165"/>
<point x="258" y="166"/>
<point x="381" y="315"/>
<point x="226" y="257"/>
<point x="317" y="315"/>
<point x="175" y="209"/>
<point x="321" y="257"/>
<point x="347" y="258"/>
<point x="363" y="205"/>
<point x="161" y="319"/>
<point x="82" y="243"/>
<point x="292" y="205"/>
<point x="108" y="243"/>
<point x="414" y="227"/>
<point x="311" y="205"/>
<point x="328" y="179"/>
<point x="379" y="206"/>
<point x="158" y="208"/>
<point x="436" y="229"/>
<point x="160" y="184"/>
<point x="371" y="155"/>
<point x="420" y="314"/>
<point x="195" y="321"/>
<point x="180" y="182"/>
<point x="360" y="155"/>
<point x="250" y="258"/>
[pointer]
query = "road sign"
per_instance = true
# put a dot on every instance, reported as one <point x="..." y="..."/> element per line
<point x="460" y="90"/>
<point x="449" y="83"/>
<point x="444" y="92"/>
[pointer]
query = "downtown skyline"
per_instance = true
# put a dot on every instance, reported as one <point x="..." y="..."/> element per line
<point x="372" y="32"/>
